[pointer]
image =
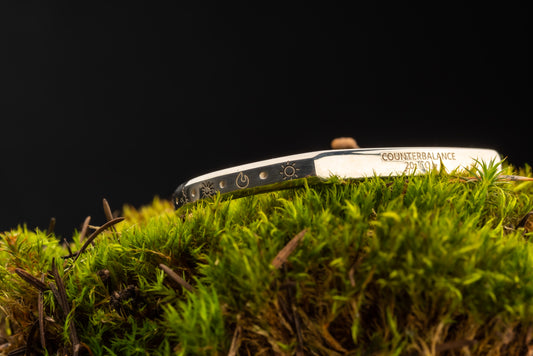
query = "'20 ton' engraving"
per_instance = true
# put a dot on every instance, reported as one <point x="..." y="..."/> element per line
<point x="421" y="165"/>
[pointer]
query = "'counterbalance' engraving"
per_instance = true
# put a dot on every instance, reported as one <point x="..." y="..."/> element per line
<point x="418" y="156"/>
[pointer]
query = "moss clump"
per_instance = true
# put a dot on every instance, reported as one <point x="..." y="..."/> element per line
<point x="430" y="264"/>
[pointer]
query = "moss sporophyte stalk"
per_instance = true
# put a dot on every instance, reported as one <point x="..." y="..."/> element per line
<point x="416" y="264"/>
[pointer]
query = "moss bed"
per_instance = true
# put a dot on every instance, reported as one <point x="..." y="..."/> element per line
<point x="435" y="264"/>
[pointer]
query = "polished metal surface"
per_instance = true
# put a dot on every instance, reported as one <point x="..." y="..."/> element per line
<point x="287" y="171"/>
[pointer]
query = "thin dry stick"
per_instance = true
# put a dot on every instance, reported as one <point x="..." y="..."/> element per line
<point x="107" y="210"/>
<point x="236" y="340"/>
<point x="514" y="178"/>
<point x="286" y="251"/>
<point x="18" y="351"/>
<point x="455" y="344"/>
<point x="35" y="282"/>
<point x="177" y="278"/>
<point x="527" y="222"/>
<point x="501" y="177"/>
<point x="63" y="303"/>
<point x="65" y="241"/>
<point x="56" y="294"/>
<point x="51" y="226"/>
<point x="59" y="290"/>
<point x="84" y="228"/>
<point x="40" y="308"/>
<point x="94" y="234"/>
<point x="295" y="317"/>
<point x="61" y="296"/>
<point x="30" y="337"/>
<point x="108" y="213"/>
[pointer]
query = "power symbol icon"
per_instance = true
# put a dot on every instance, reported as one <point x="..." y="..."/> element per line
<point x="242" y="181"/>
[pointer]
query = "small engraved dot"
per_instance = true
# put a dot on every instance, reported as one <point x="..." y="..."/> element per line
<point x="222" y="184"/>
<point x="193" y="193"/>
<point x="263" y="175"/>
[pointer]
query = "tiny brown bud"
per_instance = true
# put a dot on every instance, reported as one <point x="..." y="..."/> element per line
<point x="104" y="274"/>
<point x="527" y="222"/>
<point x="343" y="142"/>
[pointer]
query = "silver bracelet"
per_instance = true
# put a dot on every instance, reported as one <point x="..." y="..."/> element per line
<point x="289" y="171"/>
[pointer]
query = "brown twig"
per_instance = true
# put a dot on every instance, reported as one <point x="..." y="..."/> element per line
<point x="18" y="351"/>
<point x="51" y="226"/>
<point x="456" y="344"/>
<point x="84" y="228"/>
<point x="60" y="292"/>
<point x="295" y="318"/>
<point x="87" y="348"/>
<point x="177" y="278"/>
<point x="67" y="245"/>
<point x="93" y="236"/>
<point x="108" y="213"/>
<point x="107" y="210"/>
<point x="236" y="339"/>
<point x="527" y="222"/>
<point x="514" y="178"/>
<point x="61" y="296"/>
<point x="501" y="178"/>
<point x="56" y="294"/>
<point x="286" y="251"/>
<point x="40" y="308"/>
<point x="29" y="338"/>
<point x="35" y="282"/>
<point x="290" y="309"/>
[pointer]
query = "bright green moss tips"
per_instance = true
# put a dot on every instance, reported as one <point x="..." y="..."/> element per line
<point x="429" y="264"/>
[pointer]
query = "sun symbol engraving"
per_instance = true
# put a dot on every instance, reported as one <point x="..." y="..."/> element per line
<point x="289" y="171"/>
<point x="207" y="189"/>
<point x="182" y="198"/>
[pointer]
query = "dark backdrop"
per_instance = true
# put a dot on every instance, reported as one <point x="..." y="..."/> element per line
<point x="126" y="101"/>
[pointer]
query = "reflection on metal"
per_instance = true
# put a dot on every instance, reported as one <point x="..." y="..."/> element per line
<point x="290" y="171"/>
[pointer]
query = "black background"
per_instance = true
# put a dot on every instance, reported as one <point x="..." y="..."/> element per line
<point x="127" y="100"/>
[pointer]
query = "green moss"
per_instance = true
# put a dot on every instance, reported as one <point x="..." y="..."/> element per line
<point x="399" y="265"/>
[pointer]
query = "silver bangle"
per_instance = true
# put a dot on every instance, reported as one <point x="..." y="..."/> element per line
<point x="288" y="171"/>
